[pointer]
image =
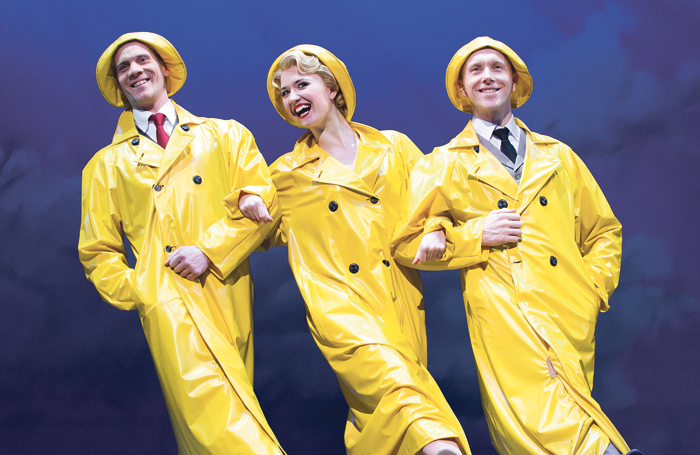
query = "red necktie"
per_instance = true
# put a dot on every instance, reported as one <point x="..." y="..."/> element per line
<point x="158" y="119"/>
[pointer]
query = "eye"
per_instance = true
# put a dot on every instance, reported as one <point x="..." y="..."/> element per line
<point x="302" y="84"/>
<point x="284" y="93"/>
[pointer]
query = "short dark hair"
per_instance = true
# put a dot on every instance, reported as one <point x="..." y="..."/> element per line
<point x="153" y="51"/>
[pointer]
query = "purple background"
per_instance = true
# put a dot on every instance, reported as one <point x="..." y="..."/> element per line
<point x="619" y="81"/>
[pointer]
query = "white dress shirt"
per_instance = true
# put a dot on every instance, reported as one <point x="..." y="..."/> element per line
<point x="149" y="128"/>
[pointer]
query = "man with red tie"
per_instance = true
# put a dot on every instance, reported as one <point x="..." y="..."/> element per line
<point x="177" y="185"/>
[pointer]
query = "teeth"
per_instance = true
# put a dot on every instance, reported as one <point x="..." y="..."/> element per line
<point x="139" y="83"/>
<point x="301" y="108"/>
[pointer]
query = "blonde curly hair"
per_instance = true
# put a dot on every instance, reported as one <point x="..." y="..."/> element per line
<point x="310" y="64"/>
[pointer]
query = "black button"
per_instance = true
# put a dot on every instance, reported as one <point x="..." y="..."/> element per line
<point x="502" y="204"/>
<point x="476" y="149"/>
<point x="373" y="200"/>
<point x="553" y="261"/>
<point x="168" y="249"/>
<point x="354" y="268"/>
<point x="135" y="141"/>
<point x="197" y="179"/>
<point x="386" y="263"/>
<point x="157" y="187"/>
<point x="185" y="127"/>
<point x="333" y="206"/>
<point x="543" y="200"/>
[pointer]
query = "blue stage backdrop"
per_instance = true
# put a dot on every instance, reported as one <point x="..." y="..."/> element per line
<point x="617" y="80"/>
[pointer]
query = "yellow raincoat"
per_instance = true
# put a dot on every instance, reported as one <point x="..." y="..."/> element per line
<point x="531" y="306"/>
<point x="365" y="311"/>
<point x="199" y="332"/>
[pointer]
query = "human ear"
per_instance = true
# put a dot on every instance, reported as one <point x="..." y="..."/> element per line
<point x="515" y="82"/>
<point x="461" y="89"/>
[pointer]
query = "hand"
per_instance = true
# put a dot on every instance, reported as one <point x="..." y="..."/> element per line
<point x="432" y="246"/>
<point x="253" y="208"/>
<point x="188" y="262"/>
<point x="502" y="226"/>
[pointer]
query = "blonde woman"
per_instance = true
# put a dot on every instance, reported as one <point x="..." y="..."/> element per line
<point x="340" y="190"/>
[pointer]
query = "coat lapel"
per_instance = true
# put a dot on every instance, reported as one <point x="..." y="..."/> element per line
<point x="370" y="156"/>
<point x="372" y="152"/>
<point x="486" y="168"/>
<point x="179" y="141"/>
<point x="538" y="169"/>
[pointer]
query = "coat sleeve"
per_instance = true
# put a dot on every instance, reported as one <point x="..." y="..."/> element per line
<point x="284" y="183"/>
<point x="229" y="241"/>
<point x="599" y="234"/>
<point x="428" y="208"/>
<point x="100" y="247"/>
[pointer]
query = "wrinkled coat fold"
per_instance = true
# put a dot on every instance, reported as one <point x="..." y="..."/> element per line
<point x="364" y="310"/>
<point x="199" y="332"/>
<point x="531" y="306"/>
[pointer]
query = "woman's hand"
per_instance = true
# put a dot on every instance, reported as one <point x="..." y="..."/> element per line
<point x="432" y="246"/>
<point x="253" y="208"/>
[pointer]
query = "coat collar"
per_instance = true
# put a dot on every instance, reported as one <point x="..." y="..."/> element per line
<point x="371" y="152"/>
<point x="539" y="165"/>
<point x="177" y="144"/>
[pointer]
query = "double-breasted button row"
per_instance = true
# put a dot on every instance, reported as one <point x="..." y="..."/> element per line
<point x="354" y="268"/>
<point x="185" y="127"/>
<point x="502" y="204"/>
<point x="135" y="141"/>
<point x="386" y="263"/>
<point x="169" y="249"/>
<point x="543" y="200"/>
<point x="333" y="206"/>
<point x="157" y="187"/>
<point x="373" y="200"/>
<point x="553" y="261"/>
<point x="196" y="179"/>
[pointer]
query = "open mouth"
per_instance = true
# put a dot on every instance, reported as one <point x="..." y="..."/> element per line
<point x="302" y="110"/>
<point x="489" y="90"/>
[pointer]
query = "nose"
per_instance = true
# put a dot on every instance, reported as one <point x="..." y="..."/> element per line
<point x="293" y="95"/>
<point x="134" y="70"/>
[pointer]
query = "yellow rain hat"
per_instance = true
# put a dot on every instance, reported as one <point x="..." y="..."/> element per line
<point x="337" y="67"/>
<point x="523" y="89"/>
<point x="107" y="81"/>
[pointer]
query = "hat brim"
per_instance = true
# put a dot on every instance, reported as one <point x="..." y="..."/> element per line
<point x="523" y="89"/>
<point x="337" y="67"/>
<point x="108" y="83"/>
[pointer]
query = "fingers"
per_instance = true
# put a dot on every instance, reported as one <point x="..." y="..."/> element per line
<point x="420" y="257"/>
<point x="188" y="261"/>
<point x="253" y="208"/>
<point x="432" y="246"/>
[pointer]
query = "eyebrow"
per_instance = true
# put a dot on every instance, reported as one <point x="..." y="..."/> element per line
<point x="135" y="57"/>
<point x="296" y="82"/>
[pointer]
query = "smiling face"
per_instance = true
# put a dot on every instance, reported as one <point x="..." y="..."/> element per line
<point x="488" y="81"/>
<point x="141" y="76"/>
<point x="307" y="97"/>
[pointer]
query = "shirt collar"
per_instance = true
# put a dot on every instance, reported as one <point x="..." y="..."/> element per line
<point x="141" y="117"/>
<point x="485" y="129"/>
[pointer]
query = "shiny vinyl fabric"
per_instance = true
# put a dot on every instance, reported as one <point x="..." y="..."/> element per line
<point x="532" y="306"/>
<point x="365" y="311"/>
<point x="199" y="332"/>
